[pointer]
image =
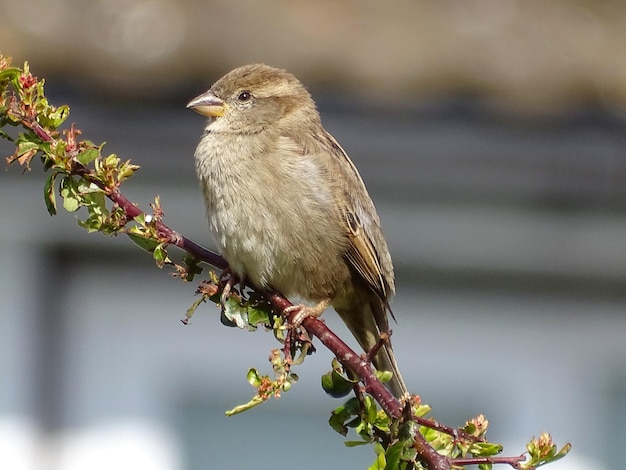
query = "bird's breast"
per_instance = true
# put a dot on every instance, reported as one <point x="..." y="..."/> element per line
<point x="272" y="216"/>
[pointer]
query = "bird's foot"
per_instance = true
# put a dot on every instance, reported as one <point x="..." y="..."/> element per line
<point x="227" y="281"/>
<point x="303" y="312"/>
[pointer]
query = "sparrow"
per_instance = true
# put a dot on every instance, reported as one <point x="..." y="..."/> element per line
<point x="288" y="209"/>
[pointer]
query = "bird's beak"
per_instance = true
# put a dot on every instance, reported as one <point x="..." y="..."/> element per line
<point x="207" y="104"/>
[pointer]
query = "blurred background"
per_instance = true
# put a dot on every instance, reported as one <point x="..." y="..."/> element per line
<point x="491" y="136"/>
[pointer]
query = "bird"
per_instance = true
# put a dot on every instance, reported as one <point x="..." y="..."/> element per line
<point x="288" y="209"/>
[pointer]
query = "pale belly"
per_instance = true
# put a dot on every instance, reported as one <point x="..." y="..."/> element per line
<point x="276" y="226"/>
<point x="288" y="250"/>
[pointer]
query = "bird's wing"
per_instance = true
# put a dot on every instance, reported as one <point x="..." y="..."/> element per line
<point x="367" y="250"/>
<point x="366" y="238"/>
<point x="363" y="256"/>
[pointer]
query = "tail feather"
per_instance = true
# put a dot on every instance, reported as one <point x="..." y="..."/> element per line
<point x="366" y="321"/>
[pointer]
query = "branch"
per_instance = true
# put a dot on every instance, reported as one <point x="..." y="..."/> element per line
<point x="86" y="176"/>
<point x="132" y="210"/>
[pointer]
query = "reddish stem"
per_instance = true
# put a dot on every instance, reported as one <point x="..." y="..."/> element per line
<point x="373" y="386"/>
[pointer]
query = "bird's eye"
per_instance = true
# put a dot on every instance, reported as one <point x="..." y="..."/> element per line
<point x="244" y="96"/>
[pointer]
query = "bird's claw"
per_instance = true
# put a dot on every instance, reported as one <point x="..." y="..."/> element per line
<point x="227" y="280"/>
<point x="302" y="312"/>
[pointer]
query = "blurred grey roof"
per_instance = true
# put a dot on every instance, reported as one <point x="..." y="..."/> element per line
<point x="529" y="57"/>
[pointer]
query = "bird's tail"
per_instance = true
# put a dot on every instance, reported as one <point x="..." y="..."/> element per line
<point x="366" y="321"/>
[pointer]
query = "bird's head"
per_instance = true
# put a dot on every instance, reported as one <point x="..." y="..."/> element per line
<point x="251" y="98"/>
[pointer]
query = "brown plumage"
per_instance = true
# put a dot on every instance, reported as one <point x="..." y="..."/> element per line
<point x="286" y="206"/>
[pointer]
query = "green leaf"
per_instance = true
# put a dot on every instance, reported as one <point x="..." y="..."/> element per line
<point x="484" y="449"/>
<point x="58" y="116"/>
<point x="384" y="375"/>
<point x="69" y="192"/>
<point x="255" y="401"/>
<point x="336" y="385"/>
<point x="88" y="156"/>
<point x="233" y="314"/>
<point x="88" y="188"/>
<point x="141" y="219"/>
<point x="341" y="415"/>
<point x="10" y="73"/>
<point x="24" y="146"/>
<point x="338" y="419"/>
<point x="259" y="315"/>
<point x="49" y="196"/>
<point x="246" y="315"/>
<point x="562" y="453"/>
<point x="370" y="408"/>
<point x="71" y="203"/>
<point x="355" y="443"/>
<point x="380" y="462"/>
<point x="126" y="170"/>
<point x="254" y="378"/>
<point x="192" y="309"/>
<point x="145" y="243"/>
<point x="421" y="410"/>
<point x="160" y="255"/>
<point x="393" y="454"/>
<point x="193" y="266"/>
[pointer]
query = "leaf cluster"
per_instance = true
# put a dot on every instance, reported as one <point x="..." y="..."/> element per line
<point x="78" y="172"/>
